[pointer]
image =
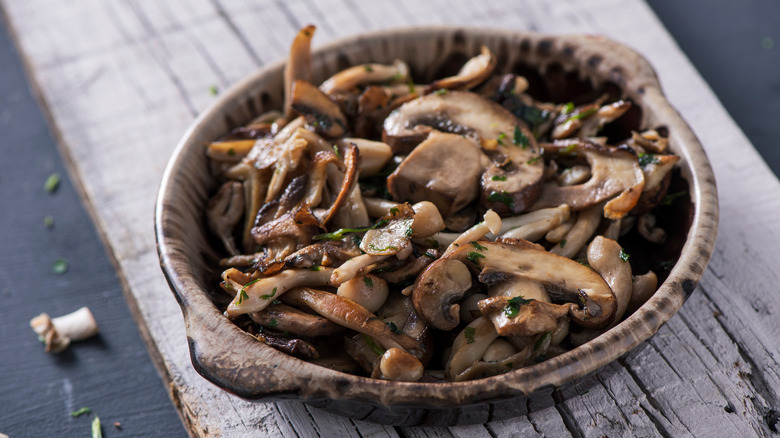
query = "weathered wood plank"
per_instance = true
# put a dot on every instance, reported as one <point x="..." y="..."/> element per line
<point x="122" y="100"/>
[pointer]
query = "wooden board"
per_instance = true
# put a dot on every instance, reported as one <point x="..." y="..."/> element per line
<point x="123" y="80"/>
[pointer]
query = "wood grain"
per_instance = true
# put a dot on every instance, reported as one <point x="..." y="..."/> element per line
<point x="123" y="80"/>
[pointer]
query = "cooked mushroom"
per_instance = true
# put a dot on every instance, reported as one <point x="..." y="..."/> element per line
<point x="396" y="364"/>
<point x="470" y="345"/>
<point x="564" y="279"/>
<point x="299" y="65"/>
<point x="57" y="333"/>
<point x="605" y="114"/>
<point x="374" y="155"/>
<point x="259" y="293"/>
<point x="650" y="140"/>
<point x="320" y="112"/>
<point x="648" y="230"/>
<point x="491" y="224"/>
<point x="532" y="226"/>
<point x="444" y="169"/>
<point x="351" y="78"/>
<point x="284" y="318"/>
<point x="520" y="307"/>
<point x="643" y="287"/>
<point x="614" y="172"/>
<point x="368" y="290"/>
<point x="475" y="71"/>
<point x="513" y="179"/>
<point x="657" y="170"/>
<point x="296" y="347"/>
<point x="353" y="316"/>
<point x="438" y="288"/>
<point x="224" y="211"/>
<point x="607" y="257"/>
<point x="578" y="235"/>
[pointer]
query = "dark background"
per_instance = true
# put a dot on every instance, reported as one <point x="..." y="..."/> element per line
<point x="732" y="44"/>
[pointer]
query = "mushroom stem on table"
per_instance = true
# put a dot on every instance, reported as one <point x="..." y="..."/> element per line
<point x="57" y="333"/>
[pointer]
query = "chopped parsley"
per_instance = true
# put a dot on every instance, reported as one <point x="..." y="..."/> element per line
<point x="541" y="340"/>
<point x="394" y="211"/>
<point x="568" y="149"/>
<point x="336" y="151"/>
<point x="469" y="333"/>
<point x="410" y="83"/>
<point x="52" y="183"/>
<point x="478" y="246"/>
<point x="498" y="178"/>
<point x="519" y="138"/>
<point x="368" y="68"/>
<point x="373" y="247"/>
<point x="242" y="295"/>
<point x="563" y="243"/>
<point x="441" y="91"/>
<point x="513" y="306"/>
<point x="268" y="296"/>
<point x="373" y="345"/>
<point x="213" y="90"/>
<point x="670" y="198"/>
<point x="582" y="114"/>
<point x="567" y="108"/>
<point x="474" y="257"/>
<point x="339" y="234"/>
<point x="646" y="159"/>
<point x="80" y="412"/>
<point x="409" y="232"/>
<point x="273" y="323"/>
<point x="623" y="255"/>
<point x="315" y="268"/>
<point x="60" y="266"/>
<point x="534" y="159"/>
<point x="502" y="197"/>
<point x="368" y="281"/>
<point x="394" y="328"/>
<point x="501" y="137"/>
<point x="48" y="221"/>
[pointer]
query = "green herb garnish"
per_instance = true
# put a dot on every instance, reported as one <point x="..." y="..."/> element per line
<point x="441" y="91"/>
<point x="623" y="255"/>
<point x="60" y="266"/>
<point x="520" y="139"/>
<point x="80" y="412"/>
<point x="563" y="243"/>
<point x="315" y="268"/>
<point x="97" y="432"/>
<point x="394" y="328"/>
<point x="502" y="197"/>
<point x="469" y="333"/>
<point x="48" y="221"/>
<point x="242" y="295"/>
<point x="645" y="159"/>
<point x="268" y="296"/>
<point x="498" y="178"/>
<point x="410" y="83"/>
<point x="368" y="281"/>
<point x="534" y="159"/>
<point x="394" y="211"/>
<point x="336" y="151"/>
<point x="513" y="306"/>
<point x="474" y="257"/>
<point x="582" y="114"/>
<point x="540" y="340"/>
<point x="670" y="198"/>
<point x="213" y="90"/>
<point x="478" y="246"/>
<point x="273" y="323"/>
<point x="568" y="149"/>
<point x="501" y="137"/>
<point x="567" y="108"/>
<point x="52" y="183"/>
<point x="373" y="345"/>
<point x="368" y="68"/>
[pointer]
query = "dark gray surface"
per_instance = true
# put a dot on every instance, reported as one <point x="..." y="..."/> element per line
<point x="112" y="374"/>
<point x="735" y="45"/>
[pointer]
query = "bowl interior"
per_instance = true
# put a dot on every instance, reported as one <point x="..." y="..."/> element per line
<point x="560" y="69"/>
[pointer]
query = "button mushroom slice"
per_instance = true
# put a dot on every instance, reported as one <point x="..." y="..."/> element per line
<point x="605" y="257"/>
<point x="534" y="225"/>
<point x="444" y="169"/>
<point x="437" y="290"/>
<point x="259" y="293"/>
<point x="353" y="316"/>
<point x="374" y="155"/>
<point x="224" y="212"/>
<point x="614" y="172"/>
<point x="470" y="345"/>
<point x="284" y="318"/>
<point x="349" y="79"/>
<point x="643" y="287"/>
<point x="475" y="71"/>
<point x="586" y="224"/>
<point x="564" y="279"/>
<point x="298" y="66"/>
<point x="323" y="114"/>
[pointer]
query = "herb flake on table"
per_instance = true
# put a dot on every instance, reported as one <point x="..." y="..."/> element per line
<point x="60" y="266"/>
<point x="52" y="183"/>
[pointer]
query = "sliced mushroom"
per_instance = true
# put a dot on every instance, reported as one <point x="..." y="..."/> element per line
<point x="374" y="155"/>
<point x="320" y="112"/>
<point x="657" y="170"/>
<point x="294" y="347"/>
<point x="564" y="279"/>
<point x="605" y="114"/>
<point x="258" y="294"/>
<point x="351" y="78"/>
<point x="534" y="225"/>
<point x="648" y="230"/>
<point x="473" y="73"/>
<point x="513" y="179"/>
<point x="284" y="318"/>
<point x="578" y="235"/>
<point x="224" y="211"/>
<point x="353" y="316"/>
<point x="470" y="345"/>
<point x="614" y="172"/>
<point x="368" y="290"/>
<point x="299" y="65"/>
<point x="328" y="253"/>
<point x="437" y="289"/>
<point x="650" y="140"/>
<point x="444" y="169"/>
<point x="643" y="287"/>
<point x="606" y="257"/>
<point x="520" y="307"/>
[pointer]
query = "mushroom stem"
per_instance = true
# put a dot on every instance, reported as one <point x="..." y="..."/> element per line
<point x="57" y="333"/>
<point x="491" y="224"/>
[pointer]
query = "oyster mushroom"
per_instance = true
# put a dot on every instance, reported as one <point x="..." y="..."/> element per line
<point x="444" y="169"/>
<point x="319" y="110"/>
<point x="438" y="288"/>
<point x="299" y="65"/>
<point x="580" y="232"/>
<point x="657" y="170"/>
<point x="512" y="180"/>
<point x="616" y="176"/>
<point x="353" y="316"/>
<point x="605" y="257"/>
<point x="57" y="333"/>
<point x="284" y="318"/>
<point x="475" y="71"/>
<point x="564" y="279"/>
<point x="647" y="229"/>
<point x="224" y="211"/>
<point x="351" y="78"/>
<point x="643" y="287"/>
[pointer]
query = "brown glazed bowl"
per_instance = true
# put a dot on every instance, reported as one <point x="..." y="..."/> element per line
<point x="561" y="67"/>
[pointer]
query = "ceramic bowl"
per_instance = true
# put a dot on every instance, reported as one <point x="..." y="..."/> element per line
<point x="560" y="66"/>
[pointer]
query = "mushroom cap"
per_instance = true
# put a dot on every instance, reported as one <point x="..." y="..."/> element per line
<point x="441" y="284"/>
